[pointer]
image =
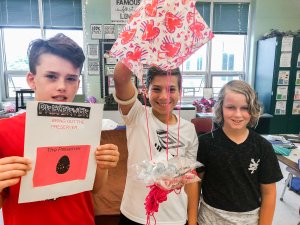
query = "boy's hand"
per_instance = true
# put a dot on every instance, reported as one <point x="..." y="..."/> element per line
<point x="107" y="156"/>
<point x="11" y="169"/>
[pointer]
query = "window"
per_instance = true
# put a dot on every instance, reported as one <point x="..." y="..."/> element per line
<point x="59" y="16"/>
<point x="222" y="59"/>
<point x="16" y="56"/>
<point x="199" y="63"/>
<point x="192" y="85"/>
<point x="221" y="80"/>
<point x="227" y="52"/>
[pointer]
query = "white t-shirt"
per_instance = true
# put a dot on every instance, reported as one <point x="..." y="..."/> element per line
<point x="174" y="210"/>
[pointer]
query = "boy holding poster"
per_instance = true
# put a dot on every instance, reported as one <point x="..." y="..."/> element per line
<point x="55" y="66"/>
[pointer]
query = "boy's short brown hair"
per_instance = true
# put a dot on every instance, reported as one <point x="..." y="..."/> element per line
<point x="155" y="71"/>
<point x="59" y="45"/>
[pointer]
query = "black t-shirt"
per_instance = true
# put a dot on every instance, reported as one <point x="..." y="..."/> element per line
<point x="234" y="172"/>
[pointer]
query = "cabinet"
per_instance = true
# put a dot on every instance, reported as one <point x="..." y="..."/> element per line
<point x="277" y="82"/>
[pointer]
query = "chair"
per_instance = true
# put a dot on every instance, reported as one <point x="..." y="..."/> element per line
<point x="288" y="182"/>
<point x="203" y="125"/>
<point x="20" y="93"/>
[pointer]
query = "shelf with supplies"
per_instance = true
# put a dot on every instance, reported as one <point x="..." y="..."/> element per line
<point x="277" y="82"/>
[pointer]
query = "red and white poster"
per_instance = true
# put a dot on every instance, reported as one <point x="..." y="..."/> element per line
<point x="60" y="140"/>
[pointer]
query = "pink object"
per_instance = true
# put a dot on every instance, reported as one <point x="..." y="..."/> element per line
<point x="91" y="99"/>
<point x="56" y="164"/>
<point x="161" y="33"/>
<point x="154" y="198"/>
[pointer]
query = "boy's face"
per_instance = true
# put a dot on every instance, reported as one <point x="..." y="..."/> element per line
<point x="56" y="79"/>
<point x="235" y="111"/>
<point x="158" y="95"/>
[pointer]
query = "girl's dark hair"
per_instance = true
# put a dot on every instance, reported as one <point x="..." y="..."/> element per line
<point x="241" y="87"/>
<point x="59" y="45"/>
<point x="155" y="71"/>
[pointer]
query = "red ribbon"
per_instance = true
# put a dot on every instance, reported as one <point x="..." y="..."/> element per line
<point x="154" y="198"/>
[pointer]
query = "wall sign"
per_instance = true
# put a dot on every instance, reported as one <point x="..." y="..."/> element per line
<point x="96" y="31"/>
<point x="121" y="10"/>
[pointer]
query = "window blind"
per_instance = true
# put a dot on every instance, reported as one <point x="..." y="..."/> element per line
<point x="19" y="13"/>
<point x="62" y="14"/>
<point x="230" y="18"/>
<point x="204" y="10"/>
<point x="25" y="13"/>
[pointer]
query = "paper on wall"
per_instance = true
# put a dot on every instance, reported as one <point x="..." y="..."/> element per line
<point x="296" y="108"/>
<point x="283" y="77"/>
<point x="280" y="108"/>
<point x="297" y="78"/>
<point x="297" y="93"/>
<point x="282" y="92"/>
<point x="285" y="59"/>
<point x="287" y="44"/>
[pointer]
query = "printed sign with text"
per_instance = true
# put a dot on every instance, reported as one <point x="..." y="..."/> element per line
<point x="60" y="140"/>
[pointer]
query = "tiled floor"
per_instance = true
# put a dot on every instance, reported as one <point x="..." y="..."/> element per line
<point x="286" y="212"/>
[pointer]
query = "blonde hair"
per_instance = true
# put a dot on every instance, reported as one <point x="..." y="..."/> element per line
<point x="241" y="87"/>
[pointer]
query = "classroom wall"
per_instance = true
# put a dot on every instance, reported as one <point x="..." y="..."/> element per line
<point x="266" y="14"/>
<point x="94" y="12"/>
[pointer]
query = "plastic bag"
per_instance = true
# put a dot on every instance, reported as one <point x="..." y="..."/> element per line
<point x="169" y="174"/>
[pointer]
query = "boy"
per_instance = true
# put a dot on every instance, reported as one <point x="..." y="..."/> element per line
<point x="163" y="93"/>
<point x="55" y="65"/>
<point x="241" y="168"/>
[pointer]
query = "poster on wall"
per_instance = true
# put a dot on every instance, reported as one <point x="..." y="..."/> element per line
<point x="63" y="160"/>
<point x="297" y="93"/>
<point x="283" y="77"/>
<point x="287" y="44"/>
<point x="109" y="31"/>
<point x="282" y="93"/>
<point x="93" y="51"/>
<point x="296" y="108"/>
<point x="280" y="108"/>
<point x="96" y="31"/>
<point x="285" y="59"/>
<point x="93" y="67"/>
<point x="121" y="10"/>
<point x="298" y="77"/>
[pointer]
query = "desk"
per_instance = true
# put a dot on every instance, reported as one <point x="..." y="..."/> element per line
<point x="21" y="94"/>
<point x="291" y="162"/>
